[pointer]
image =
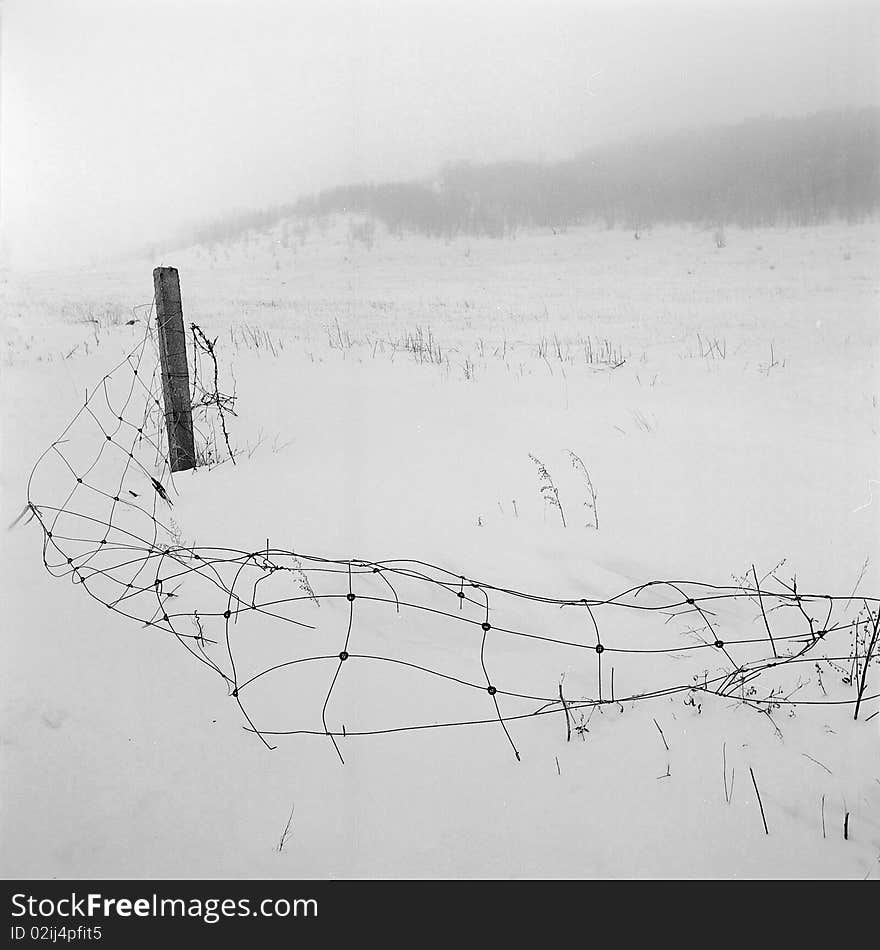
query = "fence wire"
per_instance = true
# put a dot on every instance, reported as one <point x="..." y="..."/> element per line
<point x="342" y="648"/>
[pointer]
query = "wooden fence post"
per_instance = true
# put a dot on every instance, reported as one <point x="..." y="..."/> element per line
<point x="175" y="372"/>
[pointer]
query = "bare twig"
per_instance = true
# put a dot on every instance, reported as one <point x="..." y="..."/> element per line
<point x="567" y="717"/>
<point x="724" y="769"/>
<point x="282" y="841"/>
<point x="657" y="724"/>
<point x="870" y="650"/>
<point x="804" y="754"/>
<point x="760" y="803"/>
<point x="763" y="613"/>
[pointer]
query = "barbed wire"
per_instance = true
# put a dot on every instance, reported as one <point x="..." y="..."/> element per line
<point x="273" y="622"/>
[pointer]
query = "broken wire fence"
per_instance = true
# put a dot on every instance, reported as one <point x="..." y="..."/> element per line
<point x="338" y="648"/>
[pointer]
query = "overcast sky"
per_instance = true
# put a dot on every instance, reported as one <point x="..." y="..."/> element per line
<point x="123" y="119"/>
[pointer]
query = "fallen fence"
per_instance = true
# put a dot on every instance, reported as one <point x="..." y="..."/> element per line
<point x="359" y="647"/>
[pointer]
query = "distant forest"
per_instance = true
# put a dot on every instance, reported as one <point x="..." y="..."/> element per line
<point x="761" y="172"/>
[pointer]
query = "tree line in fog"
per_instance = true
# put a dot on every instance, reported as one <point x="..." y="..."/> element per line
<point x="761" y="172"/>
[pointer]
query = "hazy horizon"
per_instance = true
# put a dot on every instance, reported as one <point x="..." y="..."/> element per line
<point x="123" y="122"/>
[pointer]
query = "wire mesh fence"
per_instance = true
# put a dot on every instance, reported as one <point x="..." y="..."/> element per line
<point x="343" y="648"/>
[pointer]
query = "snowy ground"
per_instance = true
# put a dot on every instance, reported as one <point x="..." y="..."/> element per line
<point x="391" y="400"/>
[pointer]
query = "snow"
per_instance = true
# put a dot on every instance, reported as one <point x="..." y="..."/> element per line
<point x="388" y="401"/>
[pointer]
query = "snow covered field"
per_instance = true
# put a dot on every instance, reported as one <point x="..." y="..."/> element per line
<point x="400" y="399"/>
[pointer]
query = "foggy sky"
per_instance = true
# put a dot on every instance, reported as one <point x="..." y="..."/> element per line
<point x="125" y="119"/>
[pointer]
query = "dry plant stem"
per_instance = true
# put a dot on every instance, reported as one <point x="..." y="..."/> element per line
<point x="567" y="717"/>
<point x="578" y="464"/>
<point x="868" y="654"/>
<point x="665" y="744"/>
<point x="216" y="398"/>
<point x="282" y="841"/>
<point x="548" y="488"/>
<point x="760" y="803"/>
<point x="724" y="769"/>
<point x="763" y="612"/>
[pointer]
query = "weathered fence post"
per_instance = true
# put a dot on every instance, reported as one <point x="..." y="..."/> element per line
<point x="175" y="373"/>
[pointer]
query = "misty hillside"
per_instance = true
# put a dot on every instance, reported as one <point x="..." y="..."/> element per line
<point x="761" y="172"/>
